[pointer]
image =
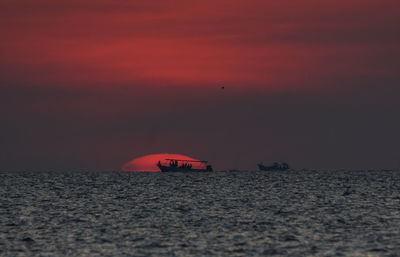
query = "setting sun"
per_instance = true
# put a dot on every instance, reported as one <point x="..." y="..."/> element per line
<point x="149" y="162"/>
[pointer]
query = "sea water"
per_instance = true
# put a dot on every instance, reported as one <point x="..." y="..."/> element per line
<point x="294" y="213"/>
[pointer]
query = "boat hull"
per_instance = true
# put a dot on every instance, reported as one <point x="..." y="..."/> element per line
<point x="271" y="168"/>
<point x="180" y="169"/>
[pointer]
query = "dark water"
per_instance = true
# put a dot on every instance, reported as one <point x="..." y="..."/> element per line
<point x="223" y="214"/>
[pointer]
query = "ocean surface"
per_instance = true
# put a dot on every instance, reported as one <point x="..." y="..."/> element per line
<point x="295" y="213"/>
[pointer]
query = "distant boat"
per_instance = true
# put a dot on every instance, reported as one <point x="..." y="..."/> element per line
<point x="175" y="165"/>
<point x="274" y="167"/>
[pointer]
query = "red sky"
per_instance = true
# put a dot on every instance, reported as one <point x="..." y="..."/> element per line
<point x="265" y="44"/>
<point x="115" y="74"/>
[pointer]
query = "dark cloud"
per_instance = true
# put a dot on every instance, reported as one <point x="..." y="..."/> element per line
<point x="101" y="130"/>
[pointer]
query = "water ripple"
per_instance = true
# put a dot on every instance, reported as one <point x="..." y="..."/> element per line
<point x="317" y="213"/>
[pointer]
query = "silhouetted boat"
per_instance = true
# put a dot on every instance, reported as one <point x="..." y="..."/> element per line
<point x="175" y="165"/>
<point x="275" y="166"/>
